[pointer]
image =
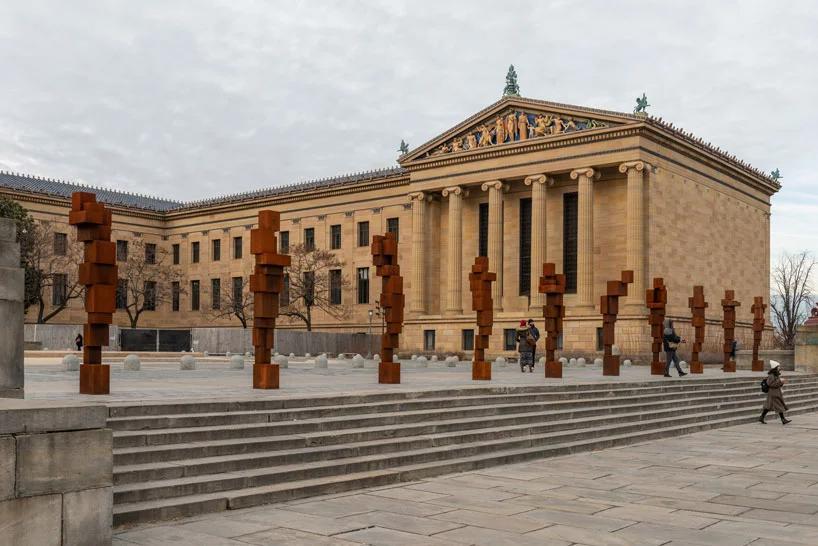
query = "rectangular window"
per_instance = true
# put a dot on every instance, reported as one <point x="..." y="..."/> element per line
<point x="284" y="295"/>
<point x="335" y="237"/>
<point x="121" y="293"/>
<point x="569" y="241"/>
<point x="59" y="290"/>
<point x="363" y="285"/>
<point x="194" y="295"/>
<point x="122" y="251"/>
<point x="174" y="295"/>
<point x="335" y="286"/>
<point x="216" y="250"/>
<point x="468" y="340"/>
<point x="428" y="340"/>
<point x="393" y="226"/>
<point x="194" y="252"/>
<point x="149" y="289"/>
<point x="175" y="249"/>
<point x="237" y="248"/>
<point x="525" y="248"/>
<point x="309" y="239"/>
<point x="238" y="292"/>
<point x="363" y="233"/>
<point x="509" y="339"/>
<point x="150" y="253"/>
<point x="309" y="288"/>
<point x="215" y="293"/>
<point x="599" y="340"/>
<point x="483" y="230"/>
<point x="60" y="244"/>
<point x="284" y="242"/>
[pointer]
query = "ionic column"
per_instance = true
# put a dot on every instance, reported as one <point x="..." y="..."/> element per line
<point x="454" y="262"/>
<point x="585" y="235"/>
<point x="495" y="242"/>
<point x="538" y="232"/>
<point x="635" y="228"/>
<point x="418" y="301"/>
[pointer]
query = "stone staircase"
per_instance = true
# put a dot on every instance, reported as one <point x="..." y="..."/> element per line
<point x="180" y="459"/>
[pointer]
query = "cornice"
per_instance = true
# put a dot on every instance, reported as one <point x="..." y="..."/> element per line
<point x="58" y="201"/>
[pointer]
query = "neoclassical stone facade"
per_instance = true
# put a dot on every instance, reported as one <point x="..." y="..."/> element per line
<point x="522" y="182"/>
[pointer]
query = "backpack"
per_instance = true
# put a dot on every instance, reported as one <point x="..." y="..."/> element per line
<point x="764" y="387"/>
<point x="530" y="340"/>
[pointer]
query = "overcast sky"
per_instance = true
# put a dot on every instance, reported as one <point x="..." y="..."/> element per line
<point x="188" y="100"/>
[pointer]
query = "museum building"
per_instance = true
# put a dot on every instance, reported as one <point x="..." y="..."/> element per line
<point x="522" y="182"/>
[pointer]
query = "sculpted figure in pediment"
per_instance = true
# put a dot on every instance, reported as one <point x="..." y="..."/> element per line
<point x="522" y="126"/>
<point x="485" y="136"/>
<point x="471" y="141"/>
<point x="511" y="126"/>
<point x="499" y="130"/>
<point x="457" y="145"/>
<point x="541" y="124"/>
<point x="557" y="126"/>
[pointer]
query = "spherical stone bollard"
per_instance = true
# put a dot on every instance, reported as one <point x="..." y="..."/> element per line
<point x="572" y="361"/>
<point x="248" y="353"/>
<point x="682" y="364"/>
<point x="377" y="357"/>
<point x="341" y="356"/>
<point x="627" y="363"/>
<point x="187" y="363"/>
<point x="541" y="361"/>
<point x="581" y="361"/>
<point x="307" y="355"/>
<point x="282" y="361"/>
<point x="206" y="353"/>
<point x="321" y="362"/>
<point x="357" y="361"/>
<point x="500" y="362"/>
<point x="615" y="350"/>
<point x="228" y="354"/>
<point x="451" y="361"/>
<point x="71" y="363"/>
<point x="237" y="362"/>
<point x="597" y="362"/>
<point x="414" y="357"/>
<point x="422" y="362"/>
<point x="292" y="355"/>
<point x="434" y="358"/>
<point x="563" y="360"/>
<point x="132" y="363"/>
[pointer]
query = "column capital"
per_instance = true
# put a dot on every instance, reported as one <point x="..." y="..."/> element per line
<point x="494" y="184"/>
<point x="417" y="196"/>
<point x="639" y="166"/>
<point x="453" y="190"/>
<point x="539" y="179"/>
<point x="585" y="171"/>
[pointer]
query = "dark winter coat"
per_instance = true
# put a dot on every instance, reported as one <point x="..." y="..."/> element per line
<point x="775" y="400"/>
<point x="522" y="345"/>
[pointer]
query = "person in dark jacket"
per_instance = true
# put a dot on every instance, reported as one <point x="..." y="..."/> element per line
<point x="78" y="342"/>
<point x="527" y="344"/>
<point x="775" y="400"/>
<point x="670" y="341"/>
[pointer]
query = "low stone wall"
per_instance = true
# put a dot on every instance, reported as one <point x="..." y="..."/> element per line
<point x="786" y="357"/>
<point x="56" y="474"/>
<point x="60" y="337"/>
<point x="239" y="340"/>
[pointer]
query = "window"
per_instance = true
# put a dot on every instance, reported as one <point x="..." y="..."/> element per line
<point x="150" y="253"/>
<point x="525" y="248"/>
<point x="60" y="244"/>
<point x="335" y="237"/>
<point x="175" y="249"/>
<point x="284" y="242"/>
<point x="215" y="293"/>
<point x="483" y="230"/>
<point x="284" y="295"/>
<point x="216" y="250"/>
<point x="569" y="241"/>
<point x="149" y="289"/>
<point x="363" y="233"/>
<point x="194" y="295"/>
<point x="238" y="292"/>
<point x="194" y="252"/>
<point x="393" y="226"/>
<point x="309" y="239"/>
<point x="509" y="339"/>
<point x="237" y="248"/>
<point x="468" y="340"/>
<point x="600" y="345"/>
<point x="428" y="340"/>
<point x="59" y="290"/>
<point x="335" y="286"/>
<point x="363" y="285"/>
<point x="174" y="295"/>
<point x="122" y="251"/>
<point x="309" y="288"/>
<point x="121" y="293"/>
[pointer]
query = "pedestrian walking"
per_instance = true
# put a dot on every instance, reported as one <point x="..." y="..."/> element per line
<point x="775" y="400"/>
<point x="526" y="345"/>
<point x="78" y="342"/>
<point x="671" y="342"/>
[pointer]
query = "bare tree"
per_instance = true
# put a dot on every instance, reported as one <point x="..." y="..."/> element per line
<point x="52" y="270"/>
<point x="792" y="294"/>
<point x="147" y="279"/>
<point x="236" y="303"/>
<point x="309" y="285"/>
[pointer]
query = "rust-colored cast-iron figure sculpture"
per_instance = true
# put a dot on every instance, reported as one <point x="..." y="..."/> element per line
<point x="552" y="284"/>
<point x="609" y="307"/>
<point x="656" y="301"/>
<point x="697" y="306"/>
<point x="758" y="309"/>
<point x="729" y="304"/>
<point x="385" y="259"/>
<point x="98" y="272"/>
<point x="480" y="284"/>
<point x="265" y="283"/>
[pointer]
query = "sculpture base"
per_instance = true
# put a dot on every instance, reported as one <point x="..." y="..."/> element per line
<point x="729" y="367"/>
<point x="481" y="371"/>
<point x="657" y="367"/>
<point x="389" y="372"/>
<point x="758" y="366"/>
<point x="610" y="365"/>
<point x="265" y="376"/>
<point x="95" y="379"/>
<point x="696" y="367"/>
<point x="553" y="369"/>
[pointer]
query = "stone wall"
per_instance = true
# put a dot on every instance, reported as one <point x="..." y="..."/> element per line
<point x="239" y="340"/>
<point x="11" y="312"/>
<point x="60" y="337"/>
<point x="56" y="474"/>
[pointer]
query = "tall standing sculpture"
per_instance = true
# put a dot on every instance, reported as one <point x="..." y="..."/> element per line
<point x="385" y="259"/>
<point x="758" y="309"/>
<point x="609" y="307"/>
<point x="266" y="283"/>
<point x="480" y="280"/>
<point x="729" y="304"/>
<point x="98" y="272"/>
<point x="656" y="302"/>
<point x="552" y="284"/>
<point x="697" y="306"/>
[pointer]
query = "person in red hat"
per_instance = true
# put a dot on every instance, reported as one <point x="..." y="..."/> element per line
<point x="527" y="336"/>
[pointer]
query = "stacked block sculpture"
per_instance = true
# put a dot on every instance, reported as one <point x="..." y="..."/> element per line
<point x="697" y="306"/>
<point x="98" y="272"/>
<point x="385" y="259"/>
<point x="609" y="307"/>
<point x="480" y="284"/>
<point x="265" y="283"/>
<point x="553" y="286"/>
<point x="729" y="304"/>
<point x="656" y="302"/>
<point x="758" y="309"/>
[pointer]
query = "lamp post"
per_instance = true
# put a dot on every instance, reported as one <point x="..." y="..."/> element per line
<point x="369" y="355"/>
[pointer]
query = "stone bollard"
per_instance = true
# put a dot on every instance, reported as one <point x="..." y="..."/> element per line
<point x="451" y="361"/>
<point x="500" y="362"/>
<point x="187" y="363"/>
<point x="377" y="357"/>
<point x="414" y="357"/>
<point x="572" y="362"/>
<point x="132" y="363"/>
<point x="228" y="354"/>
<point x="206" y="353"/>
<point x="341" y="356"/>
<point x="581" y="361"/>
<point x="615" y="350"/>
<point x="292" y="355"/>
<point x="307" y="355"/>
<point x="422" y="362"/>
<point x="236" y="362"/>
<point x="321" y="362"/>
<point x="541" y="361"/>
<point x="282" y="361"/>
<point x="682" y="364"/>
<point x="71" y="363"/>
<point x="434" y="358"/>
<point x="627" y="363"/>
<point x="248" y="354"/>
<point x="357" y="361"/>
<point x="597" y="362"/>
<point x="563" y="360"/>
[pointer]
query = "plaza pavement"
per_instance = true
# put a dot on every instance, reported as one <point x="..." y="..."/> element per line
<point x="749" y="484"/>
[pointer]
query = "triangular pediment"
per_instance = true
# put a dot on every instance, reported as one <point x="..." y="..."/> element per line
<point x="515" y="120"/>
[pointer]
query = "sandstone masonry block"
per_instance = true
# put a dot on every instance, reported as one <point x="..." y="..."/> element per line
<point x="87" y="517"/>
<point x="31" y="521"/>
<point x="7" y="462"/>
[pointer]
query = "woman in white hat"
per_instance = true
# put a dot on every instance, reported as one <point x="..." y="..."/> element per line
<point x="775" y="400"/>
